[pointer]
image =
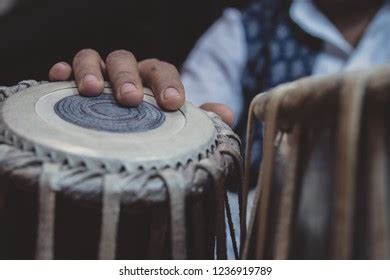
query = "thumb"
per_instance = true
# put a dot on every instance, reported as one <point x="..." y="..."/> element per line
<point x="221" y="110"/>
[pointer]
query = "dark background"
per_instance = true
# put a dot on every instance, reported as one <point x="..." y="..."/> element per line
<point x="38" y="33"/>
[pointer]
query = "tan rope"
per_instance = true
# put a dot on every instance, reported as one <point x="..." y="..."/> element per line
<point x="352" y="96"/>
<point x="218" y="183"/>
<point x="110" y="217"/>
<point x="46" y="212"/>
<point x="176" y="189"/>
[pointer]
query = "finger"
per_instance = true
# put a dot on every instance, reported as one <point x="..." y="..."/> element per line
<point x="122" y="69"/>
<point x="88" y="72"/>
<point x="60" y="71"/>
<point x="164" y="80"/>
<point x="221" y="110"/>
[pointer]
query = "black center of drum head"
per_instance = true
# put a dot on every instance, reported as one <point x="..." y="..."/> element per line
<point x="102" y="113"/>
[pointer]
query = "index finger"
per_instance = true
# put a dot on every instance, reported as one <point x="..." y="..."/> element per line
<point x="87" y="67"/>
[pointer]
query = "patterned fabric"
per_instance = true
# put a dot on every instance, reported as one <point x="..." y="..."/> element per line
<point x="278" y="52"/>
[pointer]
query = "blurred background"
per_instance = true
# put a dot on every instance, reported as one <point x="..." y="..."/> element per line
<point x="35" y="34"/>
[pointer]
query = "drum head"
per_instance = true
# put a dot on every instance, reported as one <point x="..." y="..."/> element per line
<point x="55" y="121"/>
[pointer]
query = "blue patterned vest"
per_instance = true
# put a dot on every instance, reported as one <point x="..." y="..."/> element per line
<point x="278" y="52"/>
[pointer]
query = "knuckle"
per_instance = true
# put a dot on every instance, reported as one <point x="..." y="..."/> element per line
<point x="152" y="61"/>
<point x="156" y="66"/>
<point x="84" y="56"/>
<point x="159" y="67"/>
<point x="124" y="76"/>
<point x="167" y="66"/>
<point x="119" y="54"/>
<point x="85" y="52"/>
<point x="84" y="69"/>
<point x="150" y="65"/>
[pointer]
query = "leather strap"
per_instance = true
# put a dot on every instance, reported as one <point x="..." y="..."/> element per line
<point x="265" y="179"/>
<point x="218" y="184"/>
<point x="176" y="189"/>
<point x="46" y="212"/>
<point x="110" y="217"/>
<point x="287" y="206"/>
<point x="351" y="99"/>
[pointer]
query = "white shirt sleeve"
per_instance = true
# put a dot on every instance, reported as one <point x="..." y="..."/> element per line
<point x="213" y="70"/>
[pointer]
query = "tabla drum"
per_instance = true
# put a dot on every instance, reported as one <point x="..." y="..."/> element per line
<point x="83" y="178"/>
<point x="323" y="190"/>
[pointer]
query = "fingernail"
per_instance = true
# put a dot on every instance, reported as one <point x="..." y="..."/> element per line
<point x="171" y="92"/>
<point x="127" y="88"/>
<point x="89" y="79"/>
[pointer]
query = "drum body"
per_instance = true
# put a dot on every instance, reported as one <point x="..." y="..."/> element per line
<point x="62" y="198"/>
<point x="324" y="190"/>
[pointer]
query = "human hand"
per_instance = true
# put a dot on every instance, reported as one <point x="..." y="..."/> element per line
<point x="127" y="77"/>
